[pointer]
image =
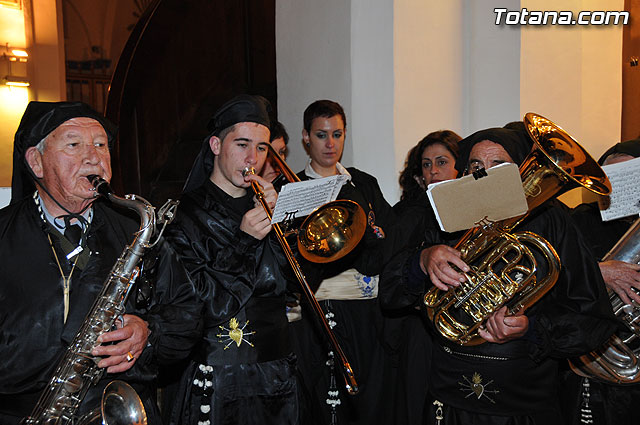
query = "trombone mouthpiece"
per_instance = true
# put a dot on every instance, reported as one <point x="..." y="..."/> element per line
<point x="247" y="171"/>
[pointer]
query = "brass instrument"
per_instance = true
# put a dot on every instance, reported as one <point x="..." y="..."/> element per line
<point x="77" y="370"/>
<point x="330" y="232"/>
<point x="503" y="266"/>
<point x="618" y="360"/>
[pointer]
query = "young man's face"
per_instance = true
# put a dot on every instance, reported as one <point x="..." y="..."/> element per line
<point x="244" y="146"/>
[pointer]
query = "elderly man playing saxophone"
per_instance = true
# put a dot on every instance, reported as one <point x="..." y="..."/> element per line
<point x="59" y="243"/>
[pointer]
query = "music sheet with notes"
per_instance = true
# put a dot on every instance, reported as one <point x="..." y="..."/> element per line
<point x="624" y="199"/>
<point x="301" y="198"/>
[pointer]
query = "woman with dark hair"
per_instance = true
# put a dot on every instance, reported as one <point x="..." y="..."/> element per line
<point x="348" y="289"/>
<point x="432" y="160"/>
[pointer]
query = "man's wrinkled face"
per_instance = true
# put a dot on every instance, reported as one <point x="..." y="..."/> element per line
<point x="77" y="148"/>
<point x="244" y="146"/>
<point x="486" y="154"/>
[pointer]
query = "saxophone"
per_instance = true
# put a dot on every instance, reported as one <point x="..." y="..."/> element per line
<point x="77" y="370"/>
<point x="618" y="360"/>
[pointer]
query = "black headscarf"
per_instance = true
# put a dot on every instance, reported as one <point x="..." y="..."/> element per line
<point x="242" y="108"/>
<point x="630" y="147"/>
<point x="517" y="145"/>
<point x="38" y="120"/>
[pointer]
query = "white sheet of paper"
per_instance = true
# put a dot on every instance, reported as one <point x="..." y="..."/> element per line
<point x="462" y="203"/>
<point x="301" y="198"/>
<point x="624" y="199"/>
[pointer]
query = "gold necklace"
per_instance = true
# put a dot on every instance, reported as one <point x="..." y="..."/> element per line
<point x="66" y="280"/>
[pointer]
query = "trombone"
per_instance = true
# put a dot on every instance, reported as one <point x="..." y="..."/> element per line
<point x="327" y="234"/>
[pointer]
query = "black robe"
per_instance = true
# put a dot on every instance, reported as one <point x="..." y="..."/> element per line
<point x="609" y="404"/>
<point x="361" y="329"/>
<point x="32" y="333"/>
<point x="238" y="278"/>
<point x="414" y="217"/>
<point x="515" y="382"/>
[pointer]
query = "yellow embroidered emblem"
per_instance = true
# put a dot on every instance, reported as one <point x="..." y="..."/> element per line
<point x="475" y="386"/>
<point x="234" y="334"/>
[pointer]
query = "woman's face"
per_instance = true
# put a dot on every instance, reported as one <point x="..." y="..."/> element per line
<point x="325" y="141"/>
<point x="438" y="164"/>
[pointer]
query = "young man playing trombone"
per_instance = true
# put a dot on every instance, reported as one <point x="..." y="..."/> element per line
<point x="244" y="369"/>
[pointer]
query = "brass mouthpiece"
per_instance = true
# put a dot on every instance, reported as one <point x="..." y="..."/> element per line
<point x="247" y="171"/>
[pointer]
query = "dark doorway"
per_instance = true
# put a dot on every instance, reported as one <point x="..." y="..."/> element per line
<point x="183" y="60"/>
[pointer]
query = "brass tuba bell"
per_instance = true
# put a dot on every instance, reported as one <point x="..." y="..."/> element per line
<point x="504" y="269"/>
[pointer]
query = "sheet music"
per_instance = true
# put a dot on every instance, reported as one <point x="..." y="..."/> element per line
<point x="624" y="199"/>
<point x="462" y="203"/>
<point x="301" y="198"/>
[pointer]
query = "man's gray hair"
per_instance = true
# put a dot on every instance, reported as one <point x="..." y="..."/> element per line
<point x="41" y="145"/>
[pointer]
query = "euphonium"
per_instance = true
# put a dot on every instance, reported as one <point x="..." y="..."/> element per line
<point x="77" y="370"/>
<point x="618" y="360"/>
<point x="504" y="265"/>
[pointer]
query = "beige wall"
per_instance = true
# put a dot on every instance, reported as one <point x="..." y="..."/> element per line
<point x="573" y="76"/>
<point x="428" y="75"/>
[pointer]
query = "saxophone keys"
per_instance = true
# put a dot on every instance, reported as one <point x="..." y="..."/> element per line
<point x="73" y="383"/>
<point x="80" y="365"/>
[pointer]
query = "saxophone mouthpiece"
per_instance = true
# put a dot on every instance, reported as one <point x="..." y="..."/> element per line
<point x="247" y="171"/>
<point x="101" y="185"/>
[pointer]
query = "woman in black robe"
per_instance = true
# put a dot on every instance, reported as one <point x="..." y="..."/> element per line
<point x="432" y="160"/>
<point x="348" y="290"/>
<point x="512" y="381"/>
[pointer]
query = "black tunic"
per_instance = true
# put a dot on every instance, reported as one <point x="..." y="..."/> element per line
<point x="32" y="333"/>
<point x="609" y="404"/>
<point x="238" y="278"/>
<point x="361" y="329"/>
<point x="515" y="382"/>
<point x="414" y="217"/>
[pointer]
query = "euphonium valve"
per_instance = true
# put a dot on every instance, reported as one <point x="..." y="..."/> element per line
<point x="515" y="269"/>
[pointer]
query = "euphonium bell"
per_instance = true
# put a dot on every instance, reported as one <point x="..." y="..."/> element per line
<point x="504" y="265"/>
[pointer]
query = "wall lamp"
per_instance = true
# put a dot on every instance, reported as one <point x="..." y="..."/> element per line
<point x="17" y="57"/>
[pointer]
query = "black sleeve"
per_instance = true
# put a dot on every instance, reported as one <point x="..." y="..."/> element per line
<point x="174" y="313"/>
<point x="575" y="316"/>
